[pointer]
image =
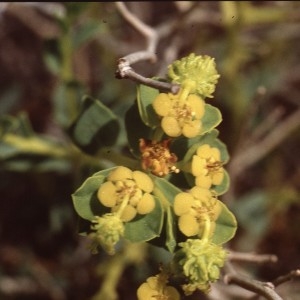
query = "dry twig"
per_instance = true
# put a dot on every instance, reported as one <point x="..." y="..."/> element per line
<point x="284" y="278"/>
<point x="265" y="289"/>
<point x="252" y="257"/>
<point x="124" y="64"/>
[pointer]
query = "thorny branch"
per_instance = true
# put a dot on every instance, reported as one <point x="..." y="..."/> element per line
<point x="125" y="70"/>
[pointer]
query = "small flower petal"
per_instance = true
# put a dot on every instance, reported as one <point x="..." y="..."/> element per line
<point x="120" y="173"/>
<point x="203" y="181"/>
<point x="192" y="128"/>
<point x="171" y="293"/>
<point x="198" y="166"/>
<point x="204" y="151"/>
<point x="162" y="104"/>
<point x="200" y="193"/>
<point x="143" y="181"/>
<point x="128" y="213"/>
<point x="188" y="225"/>
<point x="183" y="203"/>
<point x="171" y="126"/>
<point x="218" y="177"/>
<point x="197" y="105"/>
<point x="107" y="194"/>
<point x="146" y="204"/>
<point x="145" y="292"/>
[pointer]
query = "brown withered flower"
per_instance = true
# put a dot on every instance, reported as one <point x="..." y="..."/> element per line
<point x="157" y="158"/>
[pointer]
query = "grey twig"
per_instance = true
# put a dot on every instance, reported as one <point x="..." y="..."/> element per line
<point x="265" y="289"/>
<point x="252" y="257"/>
<point x="125" y="70"/>
<point x="282" y="279"/>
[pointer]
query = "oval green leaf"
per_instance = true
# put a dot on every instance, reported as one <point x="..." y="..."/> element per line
<point x="136" y="129"/>
<point x="145" y="228"/>
<point x="224" y="186"/>
<point x="211" y="119"/>
<point x="165" y="191"/>
<point x="226" y="226"/>
<point x="85" y="199"/>
<point x="95" y="127"/>
<point x="145" y="97"/>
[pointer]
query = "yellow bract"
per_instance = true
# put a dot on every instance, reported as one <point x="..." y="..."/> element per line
<point x="127" y="193"/>
<point x="180" y="116"/>
<point x="194" y="209"/>
<point x="207" y="167"/>
<point x="155" y="288"/>
<point x="143" y="181"/>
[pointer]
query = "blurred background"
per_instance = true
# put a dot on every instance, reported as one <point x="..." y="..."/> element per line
<point x="53" y="53"/>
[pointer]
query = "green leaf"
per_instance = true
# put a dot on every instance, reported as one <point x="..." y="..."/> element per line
<point x="182" y="145"/>
<point x="67" y="102"/>
<point x="226" y="226"/>
<point x="95" y="127"/>
<point x="136" y="129"/>
<point x="211" y="119"/>
<point x="145" y="97"/>
<point x="85" y="199"/>
<point x="224" y="186"/>
<point x="165" y="191"/>
<point x="145" y="228"/>
<point x="171" y="231"/>
<point x="19" y="125"/>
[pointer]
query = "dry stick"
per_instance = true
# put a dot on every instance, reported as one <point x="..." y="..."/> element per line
<point x="256" y="152"/>
<point x="252" y="257"/>
<point x="265" y="289"/>
<point x="124" y="64"/>
<point x="291" y="275"/>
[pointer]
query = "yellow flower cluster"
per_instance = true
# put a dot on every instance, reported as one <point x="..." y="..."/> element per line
<point x="156" y="288"/>
<point x="128" y="193"/>
<point x="207" y="167"/>
<point x="180" y="116"/>
<point x="198" y="210"/>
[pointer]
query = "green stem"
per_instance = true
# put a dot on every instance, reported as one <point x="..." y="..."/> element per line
<point x="118" y="159"/>
<point x="157" y="192"/>
<point x="122" y="206"/>
<point x="158" y="134"/>
<point x="207" y="229"/>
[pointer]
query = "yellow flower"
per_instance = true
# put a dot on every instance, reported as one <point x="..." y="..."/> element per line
<point x="127" y="193"/>
<point x="156" y="288"/>
<point x="207" y="167"/>
<point x="180" y="116"/>
<point x="198" y="210"/>
<point x="157" y="158"/>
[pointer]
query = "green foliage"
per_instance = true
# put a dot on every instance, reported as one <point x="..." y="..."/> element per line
<point x="95" y="127"/>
